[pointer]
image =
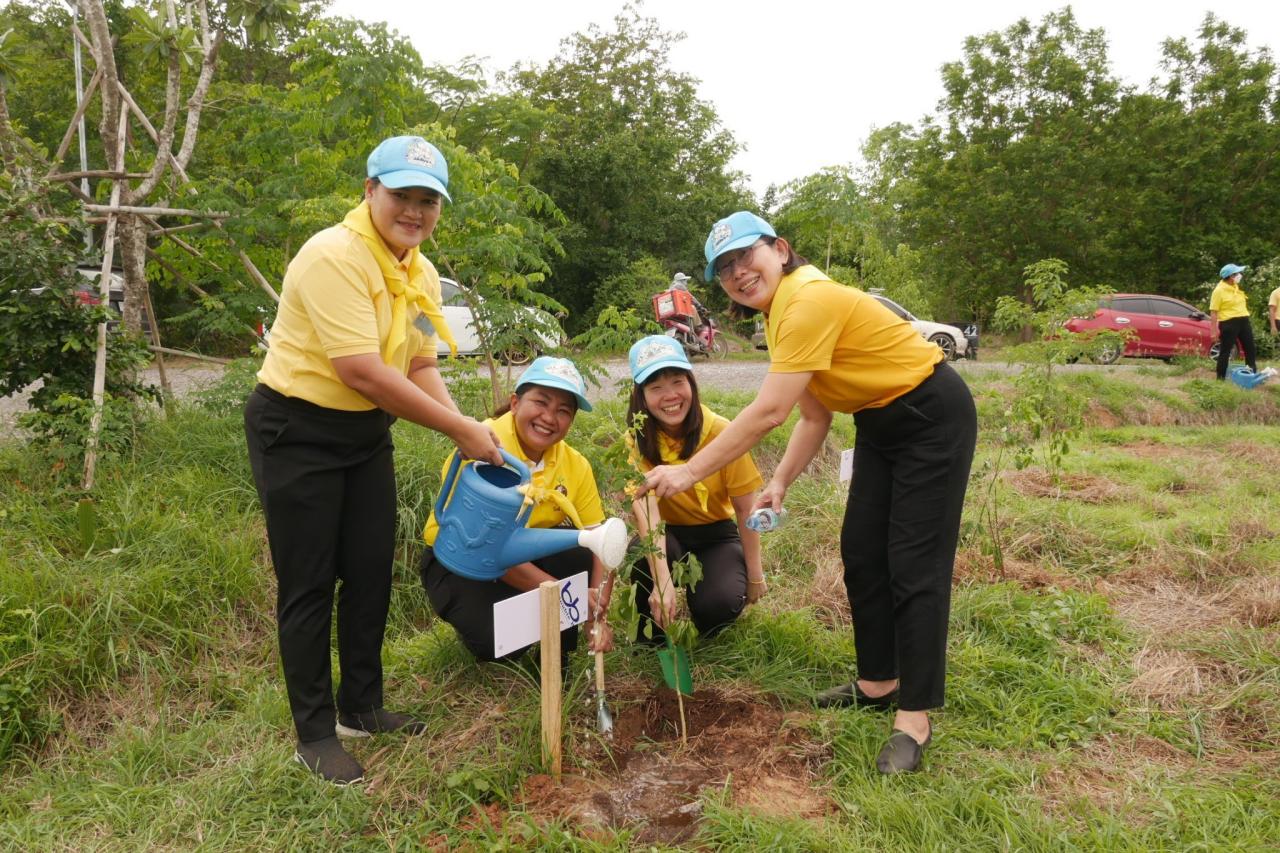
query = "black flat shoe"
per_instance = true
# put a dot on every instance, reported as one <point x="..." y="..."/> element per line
<point x="901" y="753"/>
<point x="850" y="694"/>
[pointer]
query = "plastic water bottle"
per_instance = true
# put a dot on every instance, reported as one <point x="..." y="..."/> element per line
<point x="765" y="519"/>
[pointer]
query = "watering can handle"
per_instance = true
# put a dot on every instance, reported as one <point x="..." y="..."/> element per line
<point x="446" y="486"/>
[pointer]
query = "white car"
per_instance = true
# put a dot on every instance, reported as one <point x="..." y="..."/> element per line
<point x="462" y="323"/>
<point x="948" y="338"/>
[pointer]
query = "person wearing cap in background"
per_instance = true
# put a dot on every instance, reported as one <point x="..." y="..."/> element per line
<point x="532" y="426"/>
<point x="835" y="349"/>
<point x="680" y="281"/>
<point x="668" y="424"/>
<point x="353" y="347"/>
<point x="1229" y="319"/>
<point x="1273" y="308"/>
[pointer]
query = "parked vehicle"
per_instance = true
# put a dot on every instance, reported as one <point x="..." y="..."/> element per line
<point x="461" y="320"/>
<point x="681" y="318"/>
<point x="950" y="340"/>
<point x="1158" y="327"/>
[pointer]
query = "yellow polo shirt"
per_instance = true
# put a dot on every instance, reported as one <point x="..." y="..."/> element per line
<point x="563" y="469"/>
<point x="740" y="477"/>
<point x="1274" y="302"/>
<point x="335" y="303"/>
<point x="1229" y="301"/>
<point x="861" y="354"/>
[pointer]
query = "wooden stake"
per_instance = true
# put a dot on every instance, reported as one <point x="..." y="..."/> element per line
<point x="166" y="391"/>
<point x="551" y="676"/>
<point x="185" y="354"/>
<point x="154" y="211"/>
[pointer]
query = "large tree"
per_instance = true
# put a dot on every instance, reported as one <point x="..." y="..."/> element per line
<point x="622" y="143"/>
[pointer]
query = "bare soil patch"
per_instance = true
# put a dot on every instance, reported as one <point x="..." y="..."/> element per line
<point x="649" y="782"/>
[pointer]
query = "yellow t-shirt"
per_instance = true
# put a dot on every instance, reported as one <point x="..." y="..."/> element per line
<point x="1274" y="302"/>
<point x="563" y="469"/>
<point x="738" y="478"/>
<point x="862" y="355"/>
<point x="335" y="303"/>
<point x="1229" y="301"/>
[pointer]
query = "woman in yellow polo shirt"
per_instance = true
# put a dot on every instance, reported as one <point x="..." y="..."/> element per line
<point x="709" y="520"/>
<point x="532" y="427"/>
<point x="349" y="354"/>
<point x="834" y="349"/>
<point x="1229" y="319"/>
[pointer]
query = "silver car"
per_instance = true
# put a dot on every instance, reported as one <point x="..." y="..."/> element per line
<point x="949" y="339"/>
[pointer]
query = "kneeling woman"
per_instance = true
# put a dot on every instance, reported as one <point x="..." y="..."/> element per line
<point x="670" y="424"/>
<point x="548" y="396"/>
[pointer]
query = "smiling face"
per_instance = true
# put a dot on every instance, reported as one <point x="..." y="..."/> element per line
<point x="542" y="417"/>
<point x="668" y="397"/>
<point x="403" y="217"/>
<point x="750" y="276"/>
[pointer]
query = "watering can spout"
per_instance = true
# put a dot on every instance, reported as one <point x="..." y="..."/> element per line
<point x="608" y="542"/>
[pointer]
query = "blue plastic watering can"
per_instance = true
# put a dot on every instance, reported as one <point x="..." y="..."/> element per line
<point x="482" y="511"/>
<point x="1246" y="378"/>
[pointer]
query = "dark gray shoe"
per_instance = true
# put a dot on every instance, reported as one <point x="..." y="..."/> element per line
<point x="850" y="694"/>
<point x="327" y="759"/>
<point x="376" y="722"/>
<point x="901" y="753"/>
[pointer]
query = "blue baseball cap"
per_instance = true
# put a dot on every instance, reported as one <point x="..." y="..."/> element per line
<point x="551" y="372"/>
<point x="651" y="354"/>
<point x="409" y="161"/>
<point x="1230" y="270"/>
<point x="734" y="232"/>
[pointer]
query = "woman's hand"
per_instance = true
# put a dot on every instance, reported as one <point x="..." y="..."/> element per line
<point x="476" y="440"/>
<point x="601" y="634"/>
<point x="771" y="496"/>
<point x="668" y="480"/>
<point x="756" y="588"/>
<point x="662" y="603"/>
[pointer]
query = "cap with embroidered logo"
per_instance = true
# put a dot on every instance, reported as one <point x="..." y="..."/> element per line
<point x="1230" y="270"/>
<point x="551" y="372"/>
<point x="736" y="231"/>
<point x="653" y="353"/>
<point x="409" y="161"/>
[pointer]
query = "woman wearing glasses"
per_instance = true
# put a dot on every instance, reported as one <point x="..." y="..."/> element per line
<point x="834" y="349"/>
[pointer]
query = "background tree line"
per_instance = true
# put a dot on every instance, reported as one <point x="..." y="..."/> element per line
<point x="585" y="182"/>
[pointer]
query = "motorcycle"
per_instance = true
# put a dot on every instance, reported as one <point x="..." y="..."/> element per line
<point x="705" y="339"/>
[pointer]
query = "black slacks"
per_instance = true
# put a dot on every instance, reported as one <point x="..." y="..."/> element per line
<point x="328" y="491"/>
<point x="901" y="526"/>
<point x="716" y="600"/>
<point x="467" y="604"/>
<point x="1230" y="331"/>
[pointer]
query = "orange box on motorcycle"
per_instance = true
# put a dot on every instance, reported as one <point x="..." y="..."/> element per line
<point x="673" y="303"/>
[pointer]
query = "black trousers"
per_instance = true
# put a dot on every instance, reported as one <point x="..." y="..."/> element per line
<point x="901" y="526"/>
<point x="467" y="604"/>
<point x="716" y="600"/>
<point x="1230" y="331"/>
<point x="328" y="490"/>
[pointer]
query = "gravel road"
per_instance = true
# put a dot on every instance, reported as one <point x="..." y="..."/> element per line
<point x="189" y="375"/>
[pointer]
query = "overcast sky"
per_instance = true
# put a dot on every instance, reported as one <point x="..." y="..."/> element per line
<point x="847" y="66"/>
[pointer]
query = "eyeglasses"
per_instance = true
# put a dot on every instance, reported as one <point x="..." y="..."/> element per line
<point x="726" y="270"/>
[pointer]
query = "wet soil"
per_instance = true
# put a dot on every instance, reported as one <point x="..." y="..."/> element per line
<point x="650" y="782"/>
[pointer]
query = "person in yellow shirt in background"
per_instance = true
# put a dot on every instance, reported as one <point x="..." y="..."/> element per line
<point x="1273" y="307"/>
<point x="669" y="425"/>
<point x="1229" y="319"/>
<point x="353" y="347"/>
<point x="532" y="427"/>
<point x="835" y="349"/>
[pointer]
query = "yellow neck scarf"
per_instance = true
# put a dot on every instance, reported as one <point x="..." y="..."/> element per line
<point x="404" y="289"/>
<point x="669" y="449"/>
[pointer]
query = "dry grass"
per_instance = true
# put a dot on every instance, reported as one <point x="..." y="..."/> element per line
<point x="1085" y="488"/>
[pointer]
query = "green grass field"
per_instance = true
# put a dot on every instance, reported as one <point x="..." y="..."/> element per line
<point x="1114" y="676"/>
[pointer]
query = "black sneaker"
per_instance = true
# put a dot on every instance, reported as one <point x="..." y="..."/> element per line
<point x="376" y="722"/>
<point x="327" y="759"/>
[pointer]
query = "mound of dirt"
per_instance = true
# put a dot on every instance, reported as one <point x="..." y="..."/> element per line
<point x="649" y="782"/>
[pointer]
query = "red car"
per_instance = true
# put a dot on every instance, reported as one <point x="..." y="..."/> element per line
<point x="1161" y="327"/>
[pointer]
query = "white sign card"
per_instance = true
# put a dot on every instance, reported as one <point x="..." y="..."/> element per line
<point x="517" y="621"/>
<point x="846" y="465"/>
